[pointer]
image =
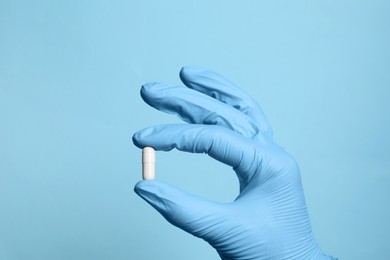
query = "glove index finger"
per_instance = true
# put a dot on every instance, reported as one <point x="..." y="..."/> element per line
<point x="218" y="142"/>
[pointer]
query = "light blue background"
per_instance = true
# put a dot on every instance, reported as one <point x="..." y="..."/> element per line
<point x="70" y="73"/>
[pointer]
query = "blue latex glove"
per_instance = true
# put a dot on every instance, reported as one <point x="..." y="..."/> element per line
<point x="269" y="219"/>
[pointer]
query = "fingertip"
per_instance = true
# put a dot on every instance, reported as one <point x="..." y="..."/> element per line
<point x="149" y="190"/>
<point x="137" y="187"/>
<point x="141" y="187"/>
<point x="145" y="137"/>
<point x="146" y="90"/>
<point x="184" y="73"/>
<point x="149" y="85"/>
<point x="189" y="70"/>
<point x="154" y="193"/>
<point x="135" y="139"/>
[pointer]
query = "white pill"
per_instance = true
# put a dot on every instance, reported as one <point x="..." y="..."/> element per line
<point x="148" y="162"/>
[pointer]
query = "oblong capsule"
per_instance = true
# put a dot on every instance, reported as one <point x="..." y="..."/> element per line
<point x="148" y="163"/>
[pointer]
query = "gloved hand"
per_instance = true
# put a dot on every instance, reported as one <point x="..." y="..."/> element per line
<point x="268" y="219"/>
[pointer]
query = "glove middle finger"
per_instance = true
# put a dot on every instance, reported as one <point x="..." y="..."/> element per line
<point x="197" y="108"/>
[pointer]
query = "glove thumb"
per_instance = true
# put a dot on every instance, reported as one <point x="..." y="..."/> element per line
<point x="197" y="216"/>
